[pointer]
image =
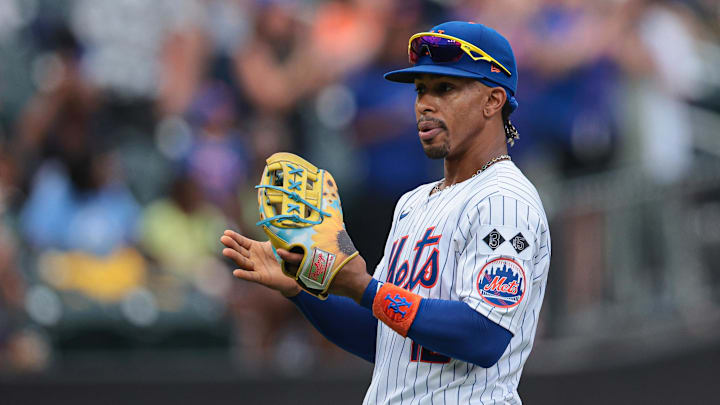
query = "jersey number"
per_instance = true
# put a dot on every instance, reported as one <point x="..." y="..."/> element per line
<point x="424" y="355"/>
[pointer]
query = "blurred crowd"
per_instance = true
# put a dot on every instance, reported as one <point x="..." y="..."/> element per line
<point x="132" y="133"/>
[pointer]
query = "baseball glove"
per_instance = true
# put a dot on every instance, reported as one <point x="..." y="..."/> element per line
<point x="300" y="212"/>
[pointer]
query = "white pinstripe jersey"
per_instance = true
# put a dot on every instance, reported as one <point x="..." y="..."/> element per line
<point x="485" y="242"/>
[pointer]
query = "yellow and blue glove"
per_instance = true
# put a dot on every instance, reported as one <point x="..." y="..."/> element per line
<point x="300" y="212"/>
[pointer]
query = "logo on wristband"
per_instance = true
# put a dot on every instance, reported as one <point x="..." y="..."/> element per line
<point x="396" y="305"/>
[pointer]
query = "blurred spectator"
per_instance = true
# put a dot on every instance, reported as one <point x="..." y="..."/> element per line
<point x="275" y="67"/>
<point x="80" y="222"/>
<point x="664" y="84"/>
<point x="80" y="204"/>
<point x="180" y="232"/>
<point x="272" y="70"/>
<point x="218" y="158"/>
<point x="141" y="49"/>
<point x="21" y="349"/>
<point x="567" y="80"/>
<point x="57" y="121"/>
<point x="348" y="34"/>
<point x="288" y="60"/>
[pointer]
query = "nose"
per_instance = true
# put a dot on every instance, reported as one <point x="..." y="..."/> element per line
<point x="424" y="104"/>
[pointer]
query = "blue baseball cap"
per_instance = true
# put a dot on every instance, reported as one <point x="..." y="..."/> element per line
<point x="485" y="38"/>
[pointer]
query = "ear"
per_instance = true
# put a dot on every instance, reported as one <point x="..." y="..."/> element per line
<point x="495" y="102"/>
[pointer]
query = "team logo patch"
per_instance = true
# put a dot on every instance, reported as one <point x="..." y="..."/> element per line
<point x="494" y="239"/>
<point x="501" y="283"/>
<point x="519" y="243"/>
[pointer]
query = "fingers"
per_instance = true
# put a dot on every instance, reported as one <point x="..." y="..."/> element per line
<point x="232" y="244"/>
<point x="289" y="257"/>
<point x="241" y="240"/>
<point x="246" y="275"/>
<point x="242" y="261"/>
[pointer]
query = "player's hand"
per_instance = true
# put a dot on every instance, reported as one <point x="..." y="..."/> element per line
<point x="351" y="281"/>
<point x="257" y="263"/>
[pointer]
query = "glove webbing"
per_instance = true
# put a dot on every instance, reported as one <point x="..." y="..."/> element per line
<point x="294" y="217"/>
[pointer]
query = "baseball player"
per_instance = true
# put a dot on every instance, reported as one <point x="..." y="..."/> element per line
<point x="450" y="313"/>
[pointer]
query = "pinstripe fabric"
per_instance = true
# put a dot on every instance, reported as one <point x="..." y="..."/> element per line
<point x="500" y="199"/>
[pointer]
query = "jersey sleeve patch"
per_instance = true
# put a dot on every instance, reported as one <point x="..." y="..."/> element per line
<point x="501" y="283"/>
<point x="505" y="241"/>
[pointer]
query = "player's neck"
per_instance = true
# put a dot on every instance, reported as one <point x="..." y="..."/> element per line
<point x="474" y="158"/>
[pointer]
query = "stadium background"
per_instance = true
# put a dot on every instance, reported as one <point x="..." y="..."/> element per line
<point x="132" y="133"/>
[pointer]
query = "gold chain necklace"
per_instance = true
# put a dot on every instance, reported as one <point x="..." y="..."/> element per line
<point x="482" y="169"/>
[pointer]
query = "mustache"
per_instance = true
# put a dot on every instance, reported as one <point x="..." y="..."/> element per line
<point x="440" y="123"/>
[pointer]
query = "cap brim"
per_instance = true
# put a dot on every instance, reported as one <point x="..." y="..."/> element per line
<point x="408" y="75"/>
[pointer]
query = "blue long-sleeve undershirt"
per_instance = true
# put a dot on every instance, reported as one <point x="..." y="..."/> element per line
<point x="342" y="322"/>
<point x="456" y="330"/>
<point x="448" y="327"/>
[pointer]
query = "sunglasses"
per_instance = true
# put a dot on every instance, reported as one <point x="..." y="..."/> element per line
<point x="443" y="48"/>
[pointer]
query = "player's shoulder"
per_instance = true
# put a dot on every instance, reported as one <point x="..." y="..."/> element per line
<point x="505" y="197"/>
<point x="505" y="181"/>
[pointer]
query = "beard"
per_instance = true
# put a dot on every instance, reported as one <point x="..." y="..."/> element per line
<point x="437" y="152"/>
